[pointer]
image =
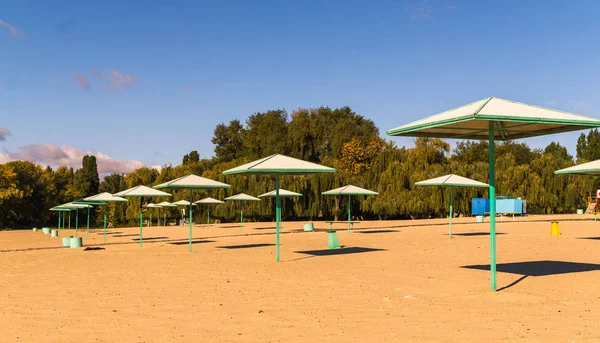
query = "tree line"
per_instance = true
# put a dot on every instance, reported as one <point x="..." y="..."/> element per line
<point x="339" y="138"/>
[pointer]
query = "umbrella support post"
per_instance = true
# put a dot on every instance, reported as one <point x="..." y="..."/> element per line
<point x="242" y="216"/>
<point x="150" y="222"/>
<point x="277" y="215"/>
<point x="208" y="219"/>
<point x="76" y="221"/>
<point x="69" y="220"/>
<point x="349" y="204"/>
<point x="59" y="220"/>
<point x="165" y="218"/>
<point x="104" y="223"/>
<point x="141" y="218"/>
<point x="191" y="216"/>
<point x="451" y="212"/>
<point x="87" y="229"/>
<point x="492" y="209"/>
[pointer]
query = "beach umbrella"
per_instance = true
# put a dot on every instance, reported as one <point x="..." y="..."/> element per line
<point x="283" y="193"/>
<point x="451" y="181"/>
<point x="183" y="203"/>
<point x="141" y="192"/>
<point x="495" y="119"/>
<point x="349" y="190"/>
<point x="165" y="204"/>
<point x="241" y="197"/>
<point x="208" y="201"/>
<point x="152" y="206"/>
<point x="192" y="182"/>
<point x="584" y="169"/>
<point x="60" y="214"/>
<point x="100" y="199"/>
<point x="278" y="165"/>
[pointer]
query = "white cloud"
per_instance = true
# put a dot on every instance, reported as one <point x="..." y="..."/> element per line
<point x="51" y="154"/>
<point x="4" y="132"/>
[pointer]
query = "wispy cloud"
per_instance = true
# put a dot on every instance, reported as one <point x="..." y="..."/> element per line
<point x="98" y="74"/>
<point x="13" y="30"/>
<point x="82" y="81"/>
<point x="51" y="154"/>
<point x="419" y="11"/>
<point x="581" y="107"/>
<point x="4" y="132"/>
<point x="119" y="80"/>
<point x="158" y="154"/>
<point x="186" y="88"/>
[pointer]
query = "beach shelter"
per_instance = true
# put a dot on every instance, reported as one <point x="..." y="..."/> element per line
<point x="584" y="169"/>
<point x="495" y="119"/>
<point x="278" y="165"/>
<point x="241" y="197"/>
<point x="451" y="181"/>
<point x="163" y="205"/>
<point x="71" y="206"/>
<point x="349" y="190"/>
<point x="283" y="193"/>
<point x="183" y="203"/>
<point x="152" y="206"/>
<point x="100" y="199"/>
<point x="192" y="182"/>
<point x="141" y="192"/>
<point x="208" y="201"/>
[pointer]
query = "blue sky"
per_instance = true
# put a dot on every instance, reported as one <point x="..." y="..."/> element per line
<point x="150" y="82"/>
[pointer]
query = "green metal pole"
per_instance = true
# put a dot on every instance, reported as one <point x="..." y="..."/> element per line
<point x="76" y="221"/>
<point x="451" y="212"/>
<point x="69" y="220"/>
<point x="87" y="230"/>
<point x="59" y="212"/>
<point x="208" y="218"/>
<point x="150" y="223"/>
<point x="165" y="217"/>
<point x="182" y="218"/>
<point x="141" y="226"/>
<point x="104" y="223"/>
<point x="241" y="215"/>
<point x="191" y="215"/>
<point x="349" y="197"/>
<point x="492" y="209"/>
<point x="277" y="217"/>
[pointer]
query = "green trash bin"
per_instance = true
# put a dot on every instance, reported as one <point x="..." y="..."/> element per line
<point x="54" y="233"/>
<point x="479" y="219"/>
<point x="309" y="227"/>
<point x="66" y="241"/>
<point x="75" y="242"/>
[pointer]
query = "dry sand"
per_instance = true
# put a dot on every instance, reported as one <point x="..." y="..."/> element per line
<point x="391" y="283"/>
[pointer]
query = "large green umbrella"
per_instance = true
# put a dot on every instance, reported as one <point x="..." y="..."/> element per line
<point x="241" y="197"/>
<point x="141" y="192"/>
<point x="100" y="199"/>
<point x="279" y="165"/>
<point x="192" y="182"/>
<point x="208" y="201"/>
<point x="283" y="193"/>
<point x="584" y="169"/>
<point x="150" y="211"/>
<point x="165" y="204"/>
<point x="451" y="181"/>
<point x="349" y="190"/>
<point x="495" y="119"/>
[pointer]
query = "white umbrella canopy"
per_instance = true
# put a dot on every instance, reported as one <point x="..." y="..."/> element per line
<point x="208" y="201"/>
<point x="495" y="119"/>
<point x="192" y="181"/>
<point x="451" y="181"/>
<point x="282" y="193"/>
<point x="349" y="190"/>
<point x="589" y="168"/>
<point x="142" y="191"/>
<point x="166" y="204"/>
<point x="182" y="203"/>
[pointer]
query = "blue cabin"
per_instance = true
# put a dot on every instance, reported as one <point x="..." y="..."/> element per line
<point x="504" y="204"/>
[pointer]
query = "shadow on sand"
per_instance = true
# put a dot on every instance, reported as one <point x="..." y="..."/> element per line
<point x="198" y="241"/>
<point x="148" y="238"/>
<point x="377" y="231"/>
<point x="339" y="251"/>
<point x="537" y="268"/>
<point x="246" y="246"/>
<point x="472" y="234"/>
